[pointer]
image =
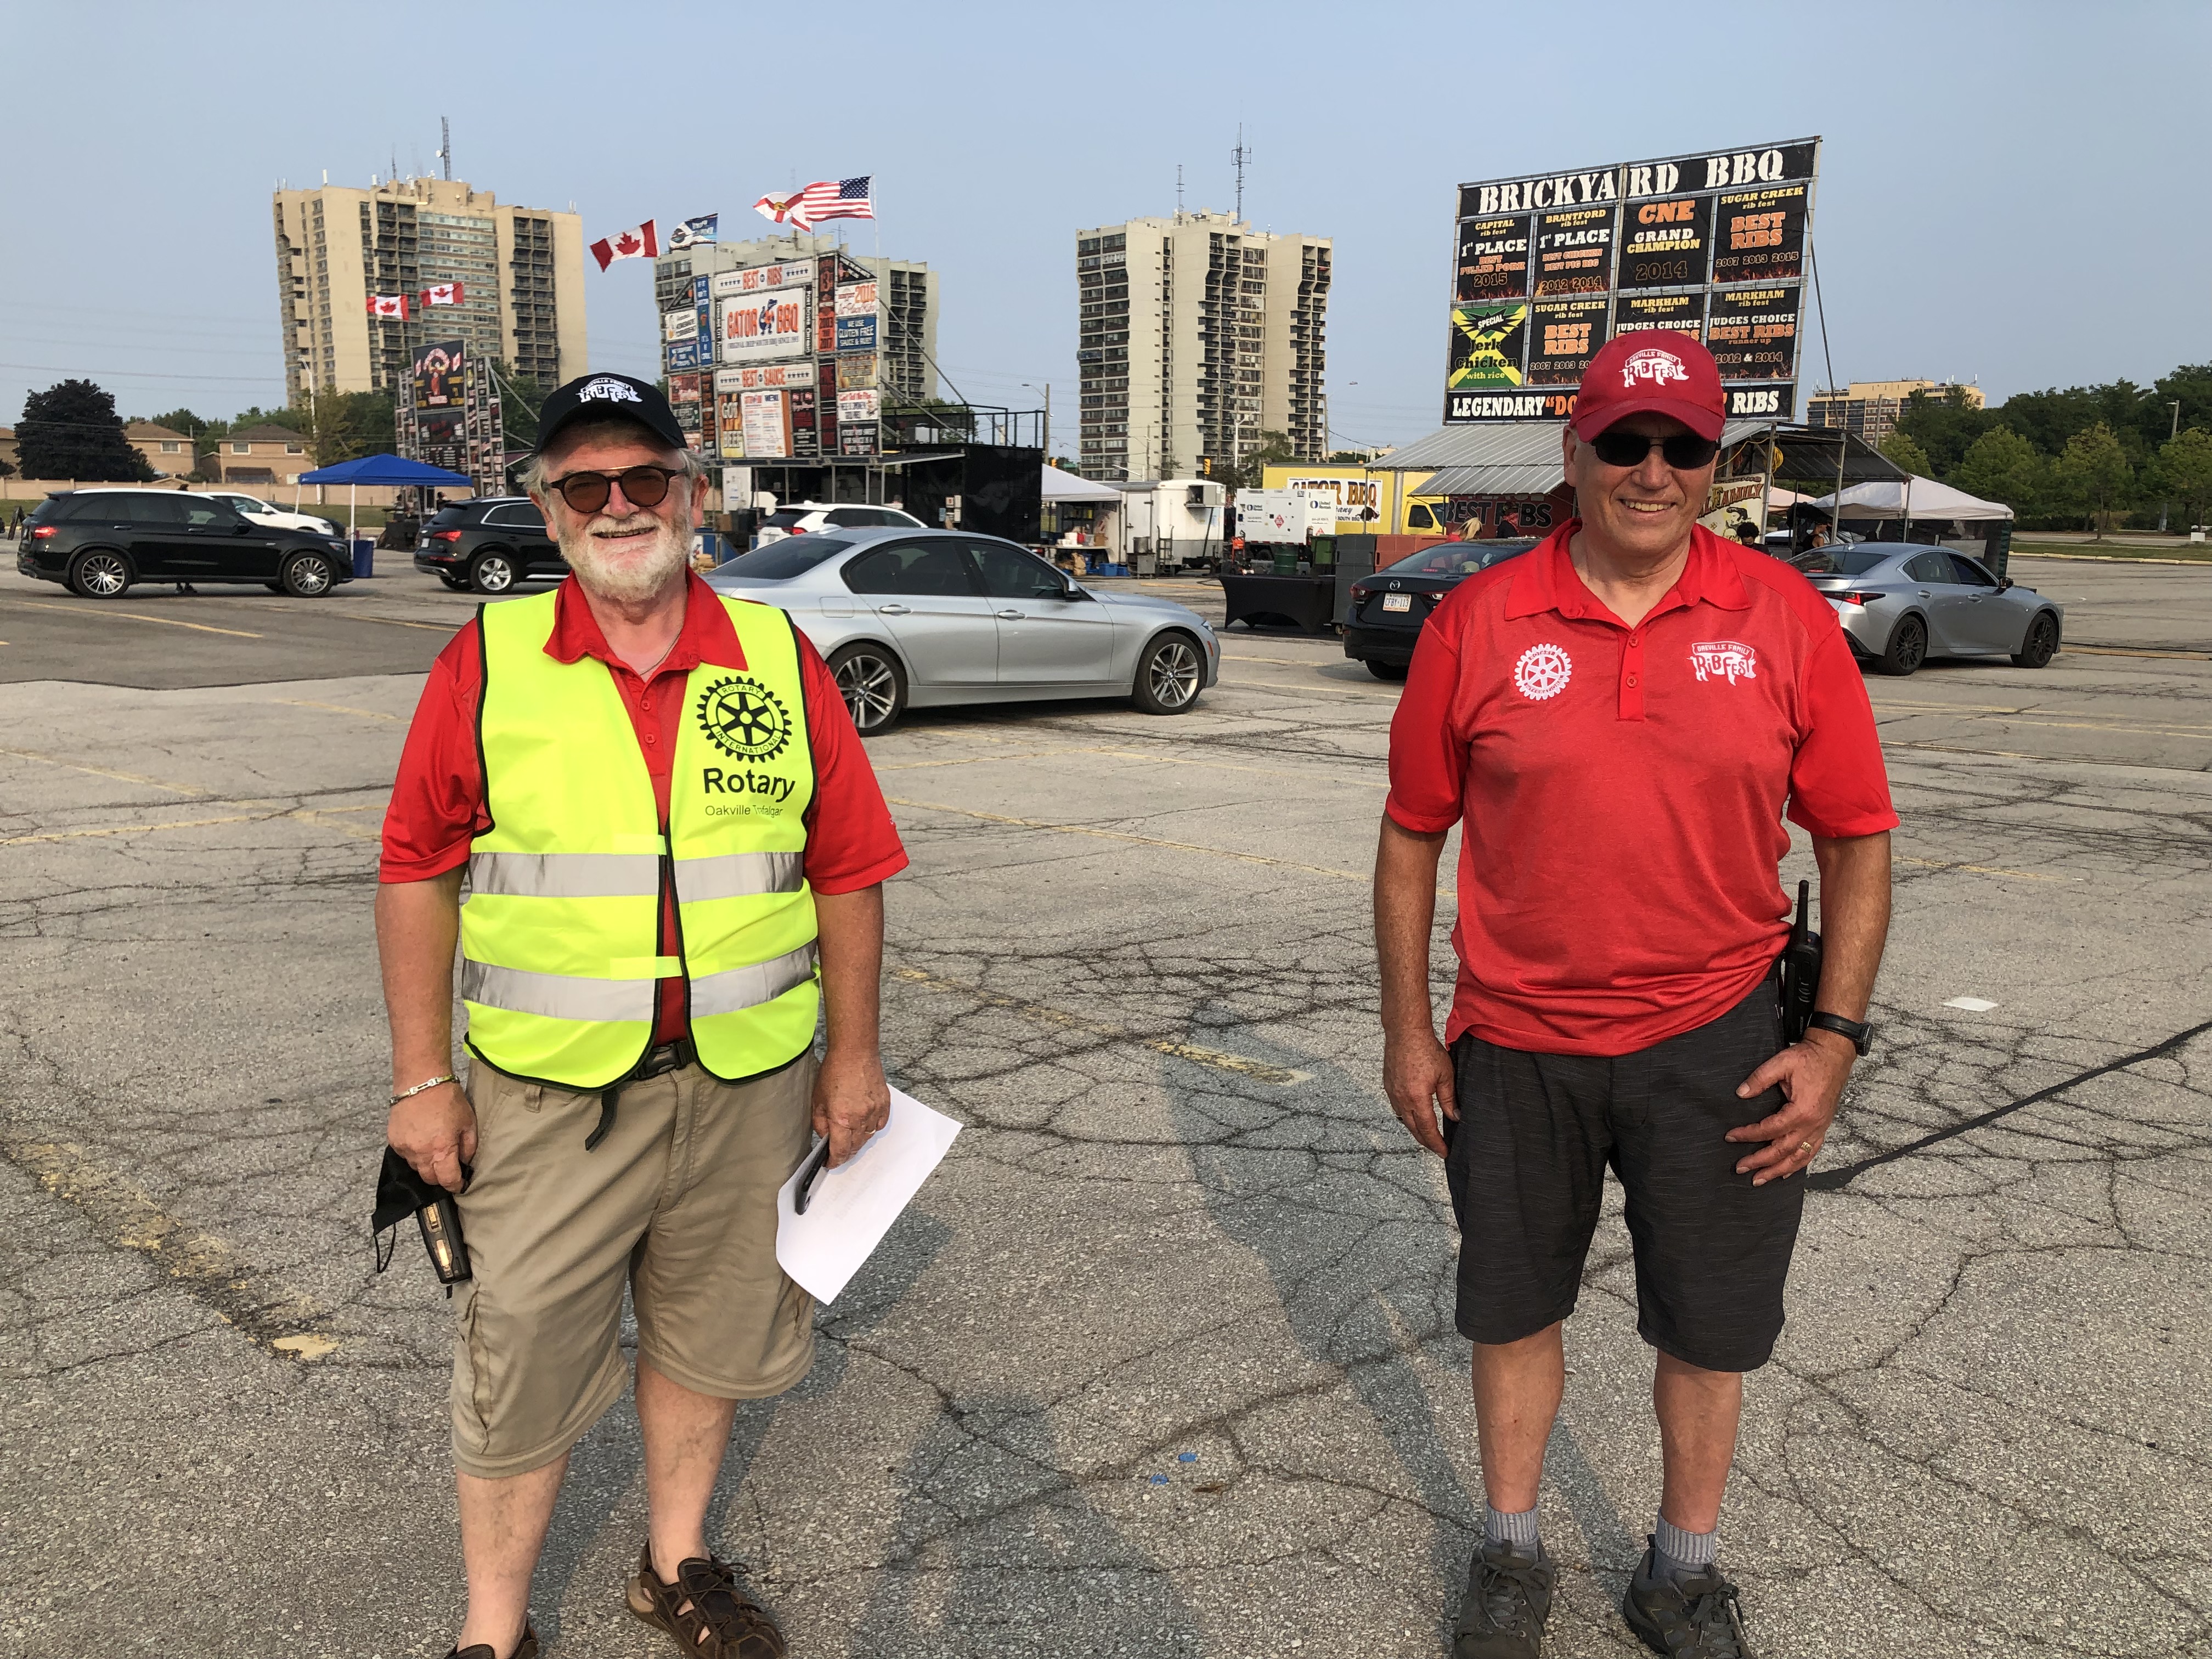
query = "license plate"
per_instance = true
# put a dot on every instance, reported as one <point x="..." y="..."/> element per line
<point x="1397" y="601"/>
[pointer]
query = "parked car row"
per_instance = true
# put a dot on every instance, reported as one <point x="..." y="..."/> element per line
<point x="1899" y="604"/>
<point x="101" y="543"/>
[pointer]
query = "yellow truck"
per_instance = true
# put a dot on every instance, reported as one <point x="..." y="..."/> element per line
<point x="1368" y="502"/>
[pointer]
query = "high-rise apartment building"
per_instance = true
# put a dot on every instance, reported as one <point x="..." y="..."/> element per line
<point x="1870" y="410"/>
<point x="906" y="297"/>
<point x="1198" y="333"/>
<point x="521" y="272"/>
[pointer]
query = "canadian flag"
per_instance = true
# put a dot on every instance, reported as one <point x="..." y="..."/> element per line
<point x="388" y="305"/>
<point x="639" y="243"/>
<point x="442" y="294"/>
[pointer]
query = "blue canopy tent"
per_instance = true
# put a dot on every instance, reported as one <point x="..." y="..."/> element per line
<point x="381" y="470"/>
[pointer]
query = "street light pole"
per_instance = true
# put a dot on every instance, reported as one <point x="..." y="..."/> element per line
<point x="2170" y="437"/>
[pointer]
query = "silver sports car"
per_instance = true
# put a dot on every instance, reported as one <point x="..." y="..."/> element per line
<point x="1901" y="603"/>
<point x="918" y="617"/>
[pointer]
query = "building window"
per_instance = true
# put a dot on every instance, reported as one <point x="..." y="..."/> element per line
<point x="241" y="449"/>
<point x="170" y="446"/>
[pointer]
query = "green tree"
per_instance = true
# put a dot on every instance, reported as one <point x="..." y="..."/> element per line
<point x="2183" y="473"/>
<point x="71" y="430"/>
<point x="338" y="425"/>
<point x="2096" y="474"/>
<point x="1349" y="458"/>
<point x="519" y="400"/>
<point x="1275" y="449"/>
<point x="1943" y="427"/>
<point x="2001" y="465"/>
<point x="1901" y="448"/>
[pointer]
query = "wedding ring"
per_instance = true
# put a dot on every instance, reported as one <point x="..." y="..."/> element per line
<point x="1806" y="1147"/>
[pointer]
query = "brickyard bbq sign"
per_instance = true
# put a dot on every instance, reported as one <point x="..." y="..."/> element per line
<point x="1548" y="267"/>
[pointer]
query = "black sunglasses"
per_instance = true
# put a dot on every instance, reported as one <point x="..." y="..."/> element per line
<point x="642" y="486"/>
<point x="1685" y="452"/>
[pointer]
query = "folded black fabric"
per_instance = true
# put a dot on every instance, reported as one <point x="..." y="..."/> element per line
<point x="401" y="1193"/>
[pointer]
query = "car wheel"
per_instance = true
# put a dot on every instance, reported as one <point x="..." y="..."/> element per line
<point x="99" y="574"/>
<point x="1386" y="671"/>
<point x="873" y="684"/>
<point x="2041" y="644"/>
<point x="306" y="575"/>
<point x="1169" y="675"/>
<point x="1907" y="648"/>
<point x="455" y="584"/>
<point x="492" y="573"/>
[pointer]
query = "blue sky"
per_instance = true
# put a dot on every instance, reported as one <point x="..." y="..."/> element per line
<point x="2008" y="193"/>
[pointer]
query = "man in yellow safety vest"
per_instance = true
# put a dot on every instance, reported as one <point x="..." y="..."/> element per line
<point x="675" y="848"/>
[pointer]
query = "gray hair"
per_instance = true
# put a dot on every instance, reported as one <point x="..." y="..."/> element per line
<point x="531" y="473"/>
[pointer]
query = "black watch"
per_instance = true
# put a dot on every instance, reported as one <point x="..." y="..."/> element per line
<point x="1862" y="1036"/>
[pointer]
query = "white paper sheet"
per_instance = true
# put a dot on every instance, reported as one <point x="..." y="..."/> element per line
<point x="854" y="1204"/>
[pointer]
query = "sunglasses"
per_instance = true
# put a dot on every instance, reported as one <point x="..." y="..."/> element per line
<point x="1685" y="452"/>
<point x="642" y="486"/>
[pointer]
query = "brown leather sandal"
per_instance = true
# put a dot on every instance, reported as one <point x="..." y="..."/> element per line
<point x="718" y="1621"/>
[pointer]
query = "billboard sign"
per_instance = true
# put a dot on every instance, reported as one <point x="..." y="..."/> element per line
<point x="857" y="333"/>
<point x="764" y="376"/>
<point x="761" y="279"/>
<point x="755" y="327"/>
<point x="441" y="400"/>
<point x="1548" y="268"/>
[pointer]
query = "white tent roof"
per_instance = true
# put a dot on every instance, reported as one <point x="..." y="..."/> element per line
<point x="1886" y="498"/>
<point x="1061" y="485"/>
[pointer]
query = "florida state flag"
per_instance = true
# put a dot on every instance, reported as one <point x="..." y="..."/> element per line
<point x="388" y="305"/>
<point x="638" y="244"/>
<point x="442" y="294"/>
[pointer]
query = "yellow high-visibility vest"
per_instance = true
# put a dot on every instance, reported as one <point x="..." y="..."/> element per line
<point x="560" y="934"/>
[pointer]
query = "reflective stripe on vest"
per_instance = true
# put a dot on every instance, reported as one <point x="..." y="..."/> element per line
<point x="561" y="932"/>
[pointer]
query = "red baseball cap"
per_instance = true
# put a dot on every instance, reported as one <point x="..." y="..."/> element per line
<point x="1657" y="370"/>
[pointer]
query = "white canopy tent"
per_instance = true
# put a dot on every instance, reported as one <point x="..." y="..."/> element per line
<point x="1061" y="485"/>
<point x="1911" y="498"/>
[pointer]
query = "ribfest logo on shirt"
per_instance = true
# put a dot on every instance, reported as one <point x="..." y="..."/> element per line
<point x="1653" y="365"/>
<point x="1728" y="660"/>
<point x="1542" y="672"/>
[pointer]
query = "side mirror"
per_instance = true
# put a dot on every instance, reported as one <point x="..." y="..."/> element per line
<point x="2003" y="584"/>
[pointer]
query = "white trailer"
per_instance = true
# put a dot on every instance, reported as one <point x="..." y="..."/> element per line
<point x="1168" y="523"/>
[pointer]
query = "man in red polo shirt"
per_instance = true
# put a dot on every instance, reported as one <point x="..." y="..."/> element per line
<point x="1618" y="721"/>
<point x="641" y="1004"/>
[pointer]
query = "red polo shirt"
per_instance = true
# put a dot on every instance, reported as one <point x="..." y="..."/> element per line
<point x="1622" y="789"/>
<point x="438" y="799"/>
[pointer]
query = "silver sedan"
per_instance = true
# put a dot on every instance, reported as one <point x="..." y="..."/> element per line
<point x="1901" y="603"/>
<point x="915" y="618"/>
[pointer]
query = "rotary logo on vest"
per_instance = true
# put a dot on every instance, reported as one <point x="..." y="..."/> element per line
<point x="747" y="721"/>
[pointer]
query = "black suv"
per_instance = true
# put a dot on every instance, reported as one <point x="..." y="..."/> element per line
<point x="101" y="542"/>
<point x="489" y="544"/>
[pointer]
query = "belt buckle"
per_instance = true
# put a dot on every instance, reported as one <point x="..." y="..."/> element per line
<point x="659" y="1061"/>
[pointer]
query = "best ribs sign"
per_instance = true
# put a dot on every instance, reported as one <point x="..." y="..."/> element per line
<point x="1548" y="266"/>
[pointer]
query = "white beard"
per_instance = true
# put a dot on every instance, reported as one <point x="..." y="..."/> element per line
<point x="628" y="572"/>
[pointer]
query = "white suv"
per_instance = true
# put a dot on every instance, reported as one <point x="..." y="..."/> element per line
<point x="810" y="518"/>
<point x="276" y="518"/>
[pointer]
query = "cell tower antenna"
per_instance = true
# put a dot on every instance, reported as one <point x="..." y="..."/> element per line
<point x="1178" y="190"/>
<point x="1240" y="155"/>
<point x="445" y="147"/>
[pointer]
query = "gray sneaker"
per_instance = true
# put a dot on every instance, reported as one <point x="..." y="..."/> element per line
<point x="1509" y="1596"/>
<point x="1692" y="1617"/>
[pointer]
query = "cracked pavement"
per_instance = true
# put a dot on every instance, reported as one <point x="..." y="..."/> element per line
<point x="1162" y="1360"/>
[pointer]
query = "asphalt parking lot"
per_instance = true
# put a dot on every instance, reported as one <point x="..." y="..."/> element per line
<point x="1162" y="1362"/>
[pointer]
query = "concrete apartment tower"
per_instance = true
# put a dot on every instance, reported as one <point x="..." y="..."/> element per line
<point x="906" y="294"/>
<point x="1197" y="333"/>
<point x="521" y="271"/>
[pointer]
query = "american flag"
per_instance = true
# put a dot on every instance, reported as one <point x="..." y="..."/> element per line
<point x="833" y="198"/>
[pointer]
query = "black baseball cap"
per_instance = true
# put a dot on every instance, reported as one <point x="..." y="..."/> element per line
<point x="598" y="397"/>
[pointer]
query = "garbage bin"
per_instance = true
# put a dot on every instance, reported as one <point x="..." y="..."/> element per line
<point x="364" y="557"/>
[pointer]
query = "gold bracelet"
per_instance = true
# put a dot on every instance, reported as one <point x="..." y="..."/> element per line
<point x="406" y="1093"/>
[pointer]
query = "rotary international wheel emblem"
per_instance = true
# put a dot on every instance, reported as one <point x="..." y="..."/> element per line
<point x="1543" y="671"/>
<point x="742" y="718"/>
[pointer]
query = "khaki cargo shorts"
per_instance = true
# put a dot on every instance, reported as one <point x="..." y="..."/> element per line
<point x="679" y="1201"/>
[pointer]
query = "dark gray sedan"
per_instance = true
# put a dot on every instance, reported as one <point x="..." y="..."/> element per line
<point x="1901" y="603"/>
<point x="916" y="617"/>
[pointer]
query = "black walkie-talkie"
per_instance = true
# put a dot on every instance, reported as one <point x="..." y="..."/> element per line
<point x="1801" y="969"/>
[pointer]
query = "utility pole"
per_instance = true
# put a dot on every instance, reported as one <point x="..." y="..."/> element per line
<point x="1240" y="155"/>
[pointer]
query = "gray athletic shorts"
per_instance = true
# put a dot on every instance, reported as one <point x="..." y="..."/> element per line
<point x="1527" y="1168"/>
